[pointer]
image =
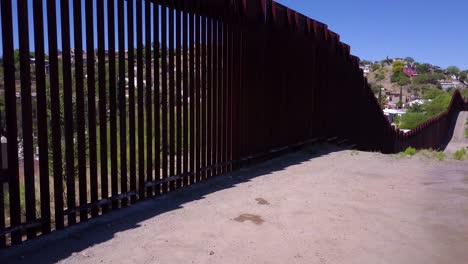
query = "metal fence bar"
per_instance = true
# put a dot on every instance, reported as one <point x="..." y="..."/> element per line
<point x="203" y="97"/>
<point x="68" y="110"/>
<point x="11" y="115"/>
<point x="149" y="99"/>
<point x="172" y="90"/>
<point x="131" y="99"/>
<point x="219" y="104"/>
<point x="122" y="102"/>
<point x="214" y="50"/>
<point x="198" y="88"/>
<point x="26" y="115"/>
<point x="112" y="101"/>
<point x="140" y="99"/>
<point x="55" y="112"/>
<point x="157" y="99"/>
<point x="102" y="103"/>
<point x="185" y="80"/>
<point x="178" y="91"/>
<point x="209" y="95"/>
<point x="164" y="95"/>
<point x="225" y="65"/>
<point x="192" y="99"/>
<point x="80" y="112"/>
<point x="92" y="152"/>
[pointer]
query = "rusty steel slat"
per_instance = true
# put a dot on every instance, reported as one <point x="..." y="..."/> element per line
<point x="42" y="115"/>
<point x="3" y="180"/>
<point x="26" y="115"/>
<point x="214" y="125"/>
<point x="209" y="95"/>
<point x="229" y="95"/>
<point x="171" y="90"/>
<point x="2" y="201"/>
<point x="122" y="102"/>
<point x="157" y="100"/>
<point x="178" y="90"/>
<point x="235" y="129"/>
<point x="102" y="103"/>
<point x="219" y="105"/>
<point x="68" y="110"/>
<point x="225" y="67"/>
<point x="112" y="101"/>
<point x="11" y="119"/>
<point x="140" y="100"/>
<point x="198" y="88"/>
<point x="164" y="95"/>
<point x="203" y="98"/>
<point x="55" y="112"/>
<point x="131" y="99"/>
<point x="91" y="106"/>
<point x="149" y="99"/>
<point x="192" y="90"/>
<point x="185" y="84"/>
<point x="80" y="109"/>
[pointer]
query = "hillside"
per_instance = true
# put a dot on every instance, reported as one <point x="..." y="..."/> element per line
<point x="414" y="79"/>
<point x="422" y="90"/>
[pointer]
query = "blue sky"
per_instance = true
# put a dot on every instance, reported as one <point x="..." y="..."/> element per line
<point x="431" y="31"/>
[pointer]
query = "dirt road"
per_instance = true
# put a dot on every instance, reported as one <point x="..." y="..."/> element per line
<point x="327" y="207"/>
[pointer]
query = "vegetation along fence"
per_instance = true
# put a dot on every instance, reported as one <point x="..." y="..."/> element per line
<point x="107" y="102"/>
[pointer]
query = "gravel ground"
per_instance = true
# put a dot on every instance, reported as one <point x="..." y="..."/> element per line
<point x="330" y="206"/>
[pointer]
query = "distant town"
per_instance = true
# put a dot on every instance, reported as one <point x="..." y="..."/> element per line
<point x="411" y="92"/>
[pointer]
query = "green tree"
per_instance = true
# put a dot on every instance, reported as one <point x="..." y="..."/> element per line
<point x="404" y="80"/>
<point x="401" y="78"/>
<point x="425" y="78"/>
<point x="376" y="87"/>
<point x="463" y="76"/>
<point x="380" y="76"/>
<point x="366" y="62"/>
<point x="420" y="87"/>
<point x="432" y="94"/>
<point x="387" y="61"/>
<point x="375" y="66"/>
<point x="438" y="105"/>
<point x="437" y="69"/>
<point x="409" y="59"/>
<point x="423" y="68"/>
<point x="412" y="120"/>
<point x="397" y="67"/>
<point x="453" y="70"/>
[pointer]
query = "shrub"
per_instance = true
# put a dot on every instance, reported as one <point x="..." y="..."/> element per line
<point x="432" y="93"/>
<point x="433" y="154"/>
<point x="401" y="78"/>
<point x="410" y="151"/>
<point x="375" y="66"/>
<point x="417" y="115"/>
<point x="411" y="120"/>
<point x="440" y="155"/>
<point x="438" y="105"/>
<point x="426" y="79"/>
<point x="459" y="154"/>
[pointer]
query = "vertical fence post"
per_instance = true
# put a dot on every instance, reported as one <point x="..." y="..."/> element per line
<point x="26" y="115"/>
